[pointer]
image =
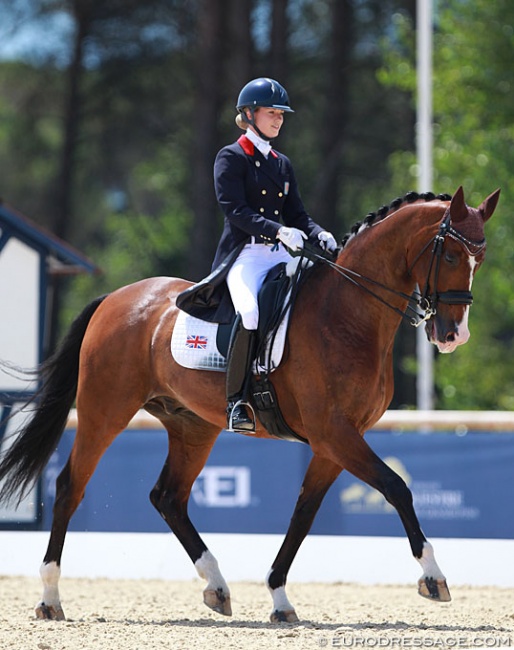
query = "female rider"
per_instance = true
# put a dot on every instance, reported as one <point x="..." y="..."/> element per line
<point x="256" y="189"/>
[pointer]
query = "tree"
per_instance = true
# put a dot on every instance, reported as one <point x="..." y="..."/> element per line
<point x="279" y="42"/>
<point x="336" y="111"/>
<point x="473" y="146"/>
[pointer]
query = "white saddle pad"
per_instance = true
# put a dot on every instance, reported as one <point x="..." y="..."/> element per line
<point x="193" y="344"/>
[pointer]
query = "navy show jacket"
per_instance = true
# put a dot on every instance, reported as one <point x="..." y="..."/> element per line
<point x="256" y="194"/>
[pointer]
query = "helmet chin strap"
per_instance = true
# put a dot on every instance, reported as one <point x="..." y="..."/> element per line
<point x="251" y="122"/>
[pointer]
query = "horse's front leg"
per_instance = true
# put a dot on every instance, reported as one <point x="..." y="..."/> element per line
<point x="362" y="462"/>
<point x="320" y="475"/>
<point x="170" y="497"/>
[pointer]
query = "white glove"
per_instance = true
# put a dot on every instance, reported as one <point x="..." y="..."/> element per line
<point x="291" y="237"/>
<point x="327" y="241"/>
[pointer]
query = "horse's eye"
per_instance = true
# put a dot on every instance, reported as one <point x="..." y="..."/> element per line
<point x="451" y="259"/>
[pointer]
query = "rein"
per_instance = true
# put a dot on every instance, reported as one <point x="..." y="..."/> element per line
<point x="426" y="302"/>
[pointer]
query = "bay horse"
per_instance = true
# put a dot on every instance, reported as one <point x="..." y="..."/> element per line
<point x="335" y="383"/>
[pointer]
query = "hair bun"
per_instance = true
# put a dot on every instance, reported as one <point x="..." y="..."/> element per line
<point x="240" y="122"/>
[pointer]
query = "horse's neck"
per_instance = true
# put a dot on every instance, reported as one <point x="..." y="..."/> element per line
<point x="351" y="329"/>
<point x="381" y="251"/>
<point x="377" y="256"/>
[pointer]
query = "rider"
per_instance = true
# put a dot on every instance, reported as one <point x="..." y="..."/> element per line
<point x="256" y="188"/>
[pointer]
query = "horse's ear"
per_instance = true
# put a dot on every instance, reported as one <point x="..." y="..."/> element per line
<point x="458" y="208"/>
<point x="488" y="205"/>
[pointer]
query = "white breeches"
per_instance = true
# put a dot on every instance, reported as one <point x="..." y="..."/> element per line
<point x="246" y="276"/>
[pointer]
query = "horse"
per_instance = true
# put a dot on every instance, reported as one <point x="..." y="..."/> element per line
<point x="334" y="383"/>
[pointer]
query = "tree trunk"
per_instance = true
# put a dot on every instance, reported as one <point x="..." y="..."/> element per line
<point x="63" y="202"/>
<point x="205" y="232"/>
<point x="333" y="128"/>
<point x="238" y="48"/>
<point x="279" y="38"/>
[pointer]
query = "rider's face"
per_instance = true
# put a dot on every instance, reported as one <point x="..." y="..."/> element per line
<point x="269" y="121"/>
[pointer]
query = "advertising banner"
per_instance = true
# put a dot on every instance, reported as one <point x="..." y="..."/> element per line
<point x="462" y="486"/>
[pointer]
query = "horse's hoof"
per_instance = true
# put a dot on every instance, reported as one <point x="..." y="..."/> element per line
<point x="433" y="589"/>
<point x="286" y="616"/>
<point x="217" y="600"/>
<point x="50" y="612"/>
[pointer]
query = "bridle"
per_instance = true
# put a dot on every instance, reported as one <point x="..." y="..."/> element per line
<point x="421" y="306"/>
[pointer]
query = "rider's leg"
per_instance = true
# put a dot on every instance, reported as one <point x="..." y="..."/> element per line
<point x="244" y="280"/>
<point x="239" y="360"/>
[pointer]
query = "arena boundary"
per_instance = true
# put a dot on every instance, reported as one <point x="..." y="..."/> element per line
<point x="329" y="559"/>
<point x="322" y="558"/>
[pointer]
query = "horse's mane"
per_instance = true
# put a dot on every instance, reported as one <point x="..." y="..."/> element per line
<point x="385" y="210"/>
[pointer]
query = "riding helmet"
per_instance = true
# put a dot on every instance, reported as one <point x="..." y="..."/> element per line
<point x="264" y="92"/>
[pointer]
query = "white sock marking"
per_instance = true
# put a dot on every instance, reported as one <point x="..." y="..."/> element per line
<point x="50" y="574"/>
<point x="208" y="569"/>
<point x="280" y="600"/>
<point x="428" y="563"/>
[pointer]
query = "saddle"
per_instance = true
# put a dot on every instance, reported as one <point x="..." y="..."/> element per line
<point x="203" y="345"/>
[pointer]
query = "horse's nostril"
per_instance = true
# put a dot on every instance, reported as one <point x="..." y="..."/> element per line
<point x="450" y="337"/>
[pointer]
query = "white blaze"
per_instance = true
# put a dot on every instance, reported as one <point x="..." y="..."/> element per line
<point x="462" y="327"/>
<point x="463" y="334"/>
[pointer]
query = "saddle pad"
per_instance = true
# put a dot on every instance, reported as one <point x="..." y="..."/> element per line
<point x="193" y="345"/>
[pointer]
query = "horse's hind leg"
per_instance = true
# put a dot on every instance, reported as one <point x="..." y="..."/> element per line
<point x="320" y="475"/>
<point x="190" y="442"/>
<point x="70" y="487"/>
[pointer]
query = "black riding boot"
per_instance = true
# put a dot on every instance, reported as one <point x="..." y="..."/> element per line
<point x="239" y="360"/>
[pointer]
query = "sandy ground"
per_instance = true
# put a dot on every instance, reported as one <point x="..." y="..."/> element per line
<point x="136" y="614"/>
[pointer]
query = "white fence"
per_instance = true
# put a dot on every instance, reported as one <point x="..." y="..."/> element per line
<point x="391" y="420"/>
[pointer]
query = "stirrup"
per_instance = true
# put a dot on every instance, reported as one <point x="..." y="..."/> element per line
<point x="230" y="423"/>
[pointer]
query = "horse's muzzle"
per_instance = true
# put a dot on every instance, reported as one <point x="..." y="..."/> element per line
<point x="447" y="334"/>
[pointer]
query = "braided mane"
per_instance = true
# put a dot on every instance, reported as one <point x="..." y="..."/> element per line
<point x="372" y="217"/>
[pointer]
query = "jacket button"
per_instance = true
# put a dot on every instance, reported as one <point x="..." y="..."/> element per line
<point x="257" y="163"/>
<point x="276" y="212"/>
<point x="280" y="194"/>
<point x="263" y="192"/>
<point x="261" y="209"/>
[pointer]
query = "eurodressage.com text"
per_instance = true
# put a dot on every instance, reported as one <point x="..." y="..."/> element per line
<point x="347" y="641"/>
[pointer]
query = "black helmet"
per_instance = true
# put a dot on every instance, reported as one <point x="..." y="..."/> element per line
<point x="264" y="92"/>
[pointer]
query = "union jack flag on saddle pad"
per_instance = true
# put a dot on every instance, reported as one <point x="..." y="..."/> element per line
<point x="200" y="351"/>
<point x="196" y="341"/>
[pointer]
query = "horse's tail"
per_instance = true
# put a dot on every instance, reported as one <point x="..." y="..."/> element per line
<point x="25" y="459"/>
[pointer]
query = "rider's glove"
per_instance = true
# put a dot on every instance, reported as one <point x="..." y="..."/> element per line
<point x="327" y="241"/>
<point x="291" y="237"/>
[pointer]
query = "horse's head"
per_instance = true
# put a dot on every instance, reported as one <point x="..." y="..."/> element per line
<point x="446" y="267"/>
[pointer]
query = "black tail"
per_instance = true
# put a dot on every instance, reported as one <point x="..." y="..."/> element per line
<point x="24" y="461"/>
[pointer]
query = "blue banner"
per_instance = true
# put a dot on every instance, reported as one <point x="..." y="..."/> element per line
<point x="462" y="486"/>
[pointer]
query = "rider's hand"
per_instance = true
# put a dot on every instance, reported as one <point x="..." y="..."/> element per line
<point x="291" y="237"/>
<point x="327" y="241"/>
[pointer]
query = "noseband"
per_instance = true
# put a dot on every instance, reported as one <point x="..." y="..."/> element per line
<point x="426" y="302"/>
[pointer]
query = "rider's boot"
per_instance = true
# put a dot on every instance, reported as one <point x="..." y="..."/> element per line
<point x="239" y="360"/>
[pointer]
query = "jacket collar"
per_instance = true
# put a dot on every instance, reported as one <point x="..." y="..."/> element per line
<point x="249" y="148"/>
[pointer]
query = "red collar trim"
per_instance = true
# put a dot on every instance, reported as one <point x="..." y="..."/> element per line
<point x="249" y="148"/>
<point x="246" y="145"/>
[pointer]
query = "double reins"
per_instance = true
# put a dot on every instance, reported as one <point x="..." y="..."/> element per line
<point x="421" y="306"/>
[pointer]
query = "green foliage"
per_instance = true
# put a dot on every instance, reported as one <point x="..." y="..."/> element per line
<point x="473" y="147"/>
<point x="30" y="134"/>
<point x="137" y="244"/>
